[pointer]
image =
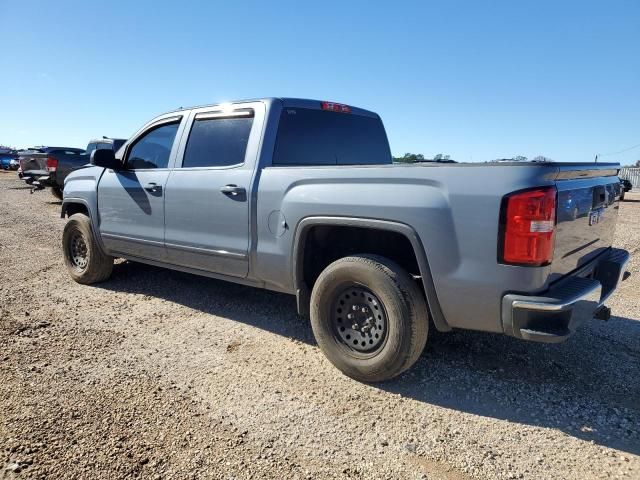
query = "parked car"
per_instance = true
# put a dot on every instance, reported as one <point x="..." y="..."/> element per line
<point x="626" y="186"/>
<point x="49" y="166"/>
<point x="9" y="160"/>
<point x="302" y="197"/>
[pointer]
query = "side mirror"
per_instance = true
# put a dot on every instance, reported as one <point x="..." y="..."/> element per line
<point x="105" y="158"/>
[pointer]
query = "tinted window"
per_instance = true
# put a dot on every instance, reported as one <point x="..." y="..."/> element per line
<point x="153" y="148"/>
<point x="117" y="143"/>
<point x="217" y="142"/>
<point x="91" y="147"/>
<point x="318" y="137"/>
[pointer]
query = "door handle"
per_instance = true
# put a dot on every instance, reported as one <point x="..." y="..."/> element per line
<point x="233" y="190"/>
<point x="153" y="187"/>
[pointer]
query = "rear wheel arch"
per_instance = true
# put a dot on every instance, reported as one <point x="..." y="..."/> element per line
<point x="403" y="231"/>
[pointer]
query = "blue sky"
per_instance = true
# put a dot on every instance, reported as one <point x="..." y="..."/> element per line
<point x="476" y="79"/>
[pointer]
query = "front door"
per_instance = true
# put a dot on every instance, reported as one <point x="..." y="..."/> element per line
<point x="207" y="203"/>
<point x="131" y="201"/>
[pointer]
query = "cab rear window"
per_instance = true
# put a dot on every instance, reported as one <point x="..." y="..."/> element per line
<point x="317" y="137"/>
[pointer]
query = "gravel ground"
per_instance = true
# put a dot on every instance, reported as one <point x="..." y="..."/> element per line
<point x="159" y="374"/>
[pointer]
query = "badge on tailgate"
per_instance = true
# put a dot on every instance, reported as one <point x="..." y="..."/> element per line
<point x="595" y="216"/>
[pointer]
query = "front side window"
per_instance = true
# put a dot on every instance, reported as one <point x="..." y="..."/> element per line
<point x="217" y="142"/>
<point x="152" y="149"/>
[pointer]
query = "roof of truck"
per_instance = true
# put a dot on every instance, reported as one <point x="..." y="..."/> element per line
<point x="106" y="140"/>
<point x="286" y="101"/>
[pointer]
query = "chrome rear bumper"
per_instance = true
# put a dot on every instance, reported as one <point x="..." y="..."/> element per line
<point x="553" y="316"/>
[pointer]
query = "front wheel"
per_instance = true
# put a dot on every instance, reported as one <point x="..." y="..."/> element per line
<point x="85" y="262"/>
<point x="369" y="317"/>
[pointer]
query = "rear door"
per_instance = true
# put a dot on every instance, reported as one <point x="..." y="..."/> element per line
<point x="208" y="193"/>
<point x="131" y="201"/>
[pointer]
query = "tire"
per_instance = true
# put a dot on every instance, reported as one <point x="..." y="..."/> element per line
<point x="85" y="261"/>
<point x="384" y="290"/>
<point x="57" y="192"/>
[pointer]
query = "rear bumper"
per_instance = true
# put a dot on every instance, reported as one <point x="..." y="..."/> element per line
<point x="38" y="178"/>
<point x="554" y="315"/>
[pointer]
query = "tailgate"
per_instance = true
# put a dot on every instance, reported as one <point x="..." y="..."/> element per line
<point x="33" y="161"/>
<point x="588" y="196"/>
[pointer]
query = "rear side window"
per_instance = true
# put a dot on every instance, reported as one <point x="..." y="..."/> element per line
<point x="217" y="141"/>
<point x="317" y="137"/>
<point x="152" y="150"/>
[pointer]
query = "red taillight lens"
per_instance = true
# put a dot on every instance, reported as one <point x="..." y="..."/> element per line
<point x="528" y="227"/>
<point x="52" y="164"/>
<point x="336" y="107"/>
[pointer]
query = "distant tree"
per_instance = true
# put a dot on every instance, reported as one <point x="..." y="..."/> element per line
<point x="638" y="164"/>
<point x="418" y="157"/>
<point x="409" y="158"/>
<point x="519" y="158"/>
<point x="541" y="158"/>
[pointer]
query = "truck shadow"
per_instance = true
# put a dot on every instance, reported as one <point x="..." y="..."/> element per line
<point x="587" y="387"/>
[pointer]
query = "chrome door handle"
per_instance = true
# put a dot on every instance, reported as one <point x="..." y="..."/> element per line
<point x="233" y="190"/>
<point x="153" y="187"/>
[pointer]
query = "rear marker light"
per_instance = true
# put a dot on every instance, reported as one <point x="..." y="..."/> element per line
<point x="336" y="107"/>
<point x="528" y="226"/>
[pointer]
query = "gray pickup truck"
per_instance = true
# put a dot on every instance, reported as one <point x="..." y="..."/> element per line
<point x="302" y="197"/>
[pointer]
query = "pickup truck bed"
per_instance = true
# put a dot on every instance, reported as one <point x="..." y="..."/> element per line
<point x="49" y="166"/>
<point x="302" y="197"/>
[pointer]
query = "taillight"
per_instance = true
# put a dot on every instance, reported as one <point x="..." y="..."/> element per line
<point x="52" y="164"/>
<point x="336" y="107"/>
<point x="528" y="226"/>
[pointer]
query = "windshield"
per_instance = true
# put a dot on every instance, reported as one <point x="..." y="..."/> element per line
<point x="91" y="147"/>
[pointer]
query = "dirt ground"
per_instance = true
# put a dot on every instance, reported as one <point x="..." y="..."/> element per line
<point x="158" y="374"/>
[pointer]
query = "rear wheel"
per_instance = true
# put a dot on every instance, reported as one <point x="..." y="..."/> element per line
<point x="369" y="317"/>
<point x="85" y="262"/>
<point x="57" y="192"/>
